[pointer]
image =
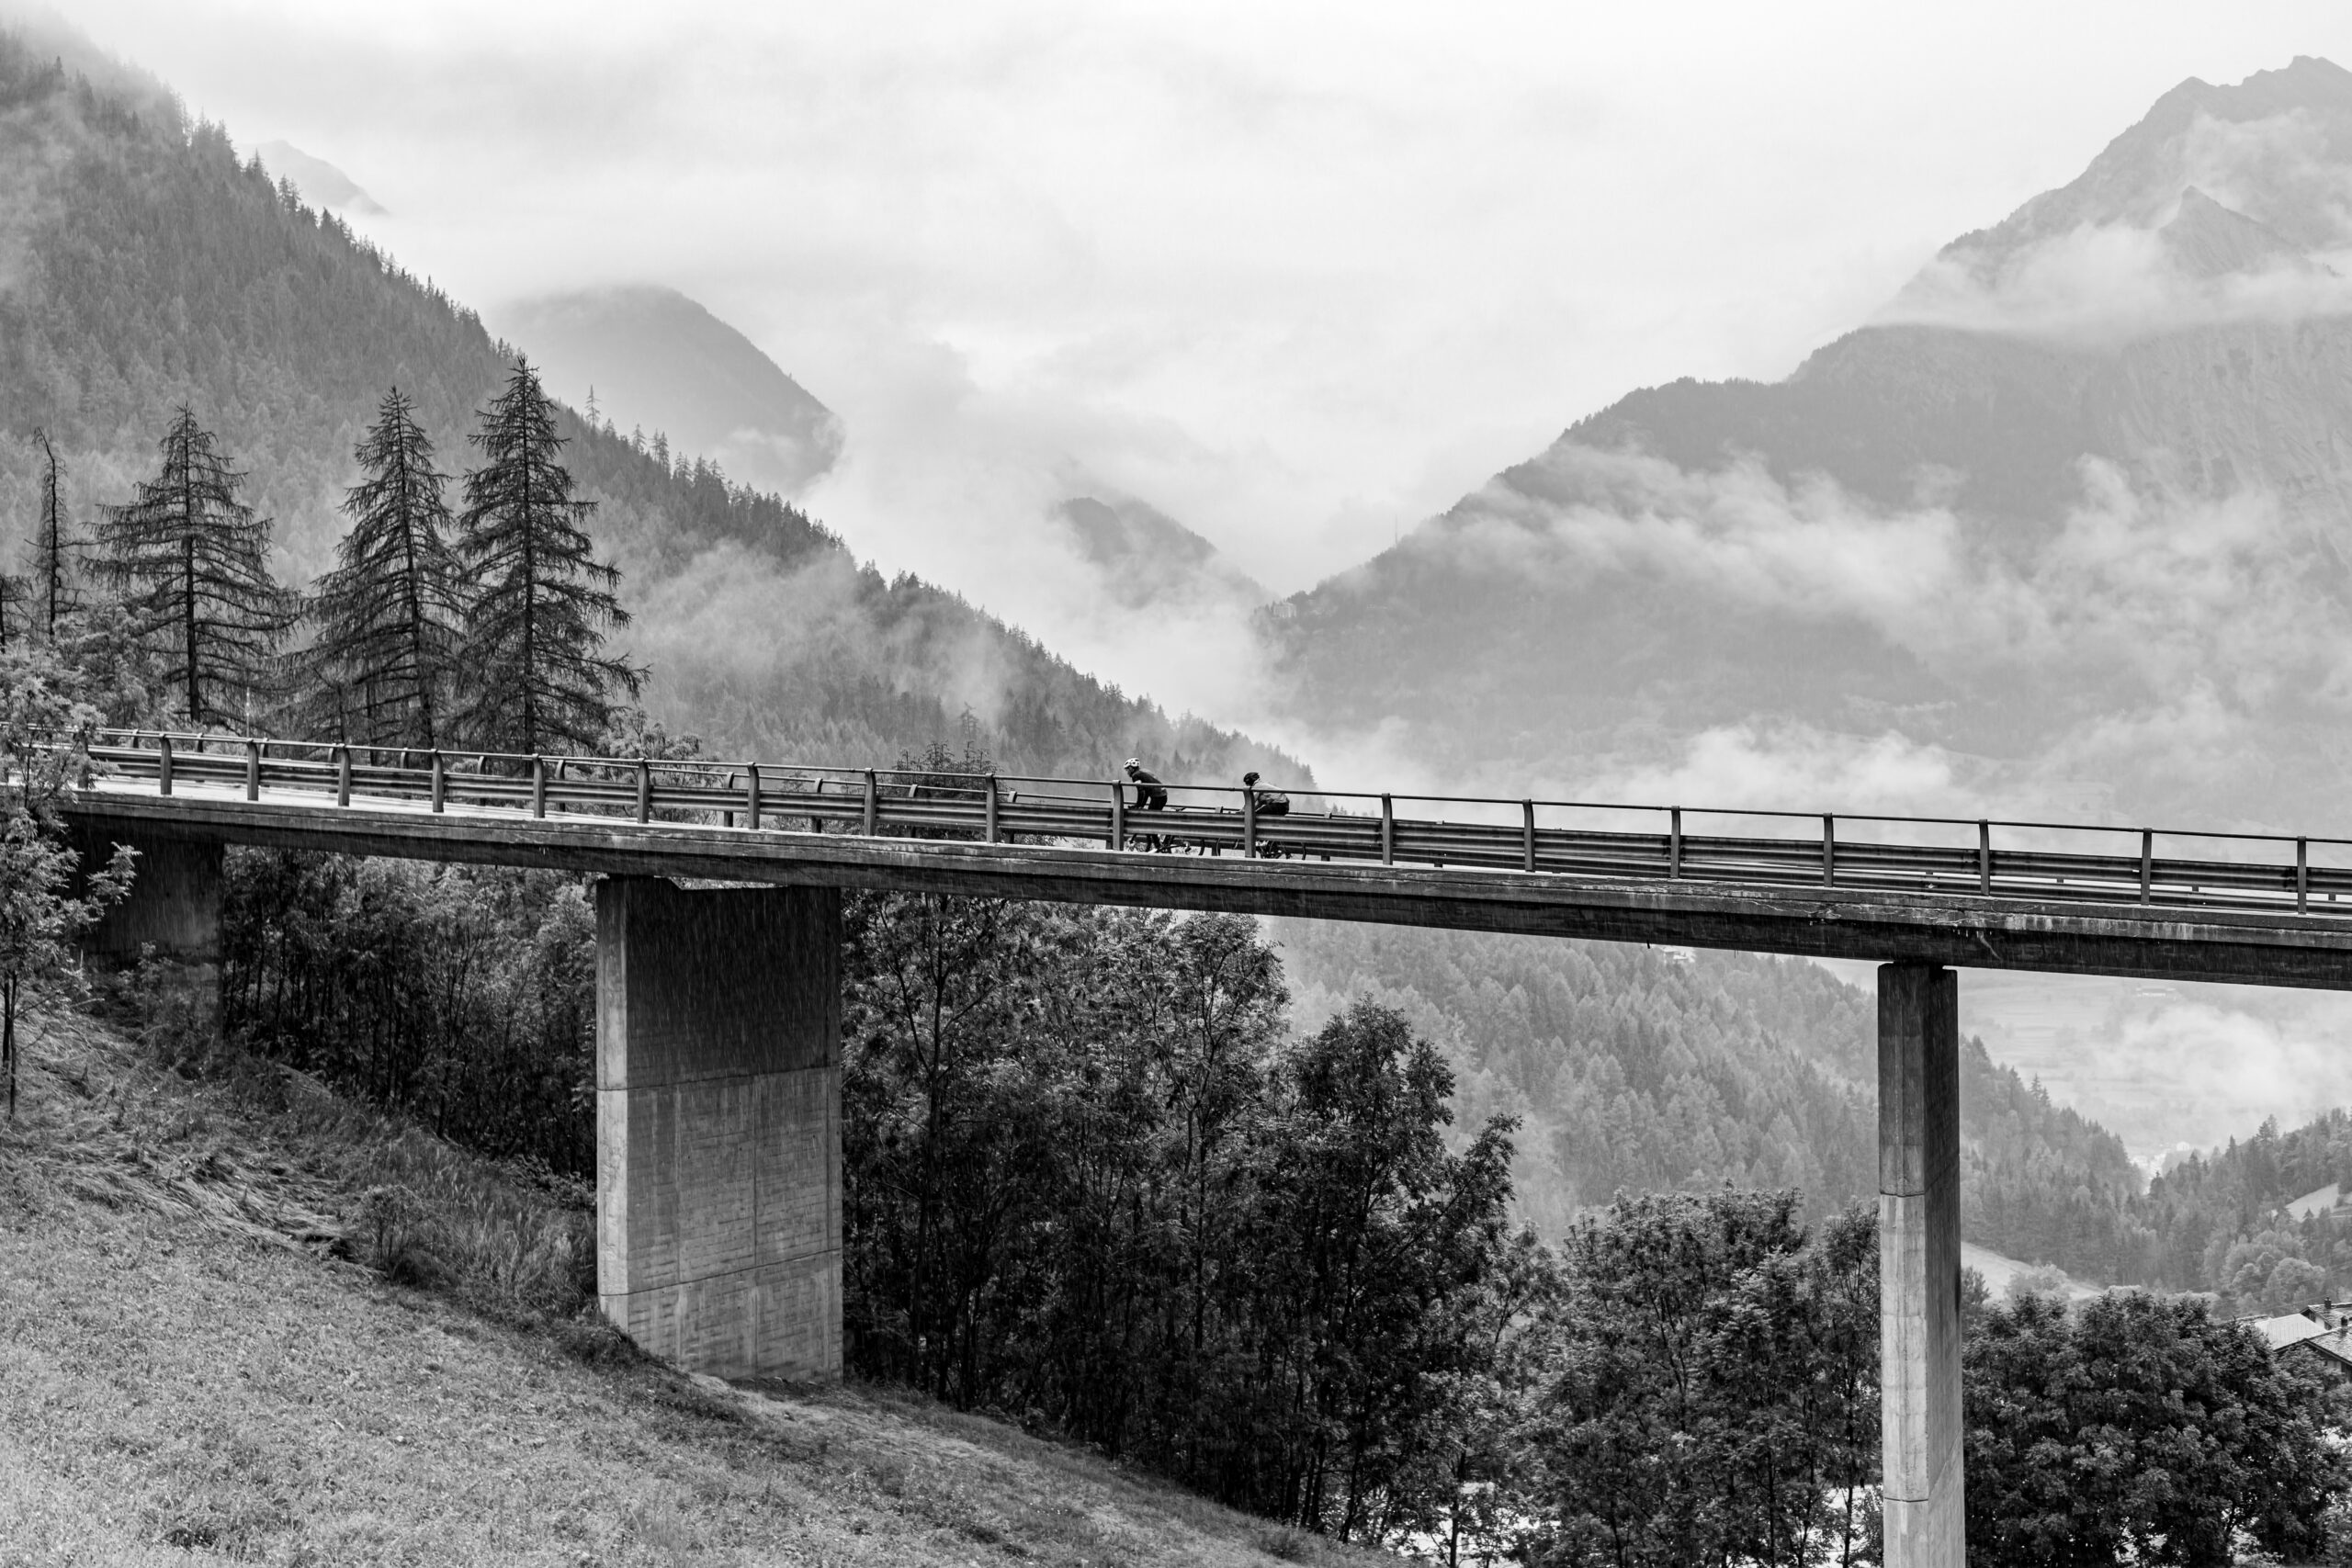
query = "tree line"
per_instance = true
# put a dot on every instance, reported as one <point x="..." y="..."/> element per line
<point x="507" y="587"/>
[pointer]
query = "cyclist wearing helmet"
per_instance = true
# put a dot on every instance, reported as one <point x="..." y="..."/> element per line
<point x="1269" y="802"/>
<point x="1151" y="794"/>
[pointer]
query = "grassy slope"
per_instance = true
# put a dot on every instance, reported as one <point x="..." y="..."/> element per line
<point x="189" y="1373"/>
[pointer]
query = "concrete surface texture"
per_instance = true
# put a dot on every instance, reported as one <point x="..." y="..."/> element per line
<point x="718" y="1125"/>
<point x="1919" y="1336"/>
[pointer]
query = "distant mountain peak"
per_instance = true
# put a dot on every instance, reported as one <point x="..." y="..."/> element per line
<point x="318" y="180"/>
<point x="659" y="360"/>
<point x="1146" y="557"/>
<point x="2013" y="469"/>
<point x="2272" y="149"/>
<point x="2208" y="240"/>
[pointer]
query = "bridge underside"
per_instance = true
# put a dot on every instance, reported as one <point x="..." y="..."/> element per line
<point x="2266" y="948"/>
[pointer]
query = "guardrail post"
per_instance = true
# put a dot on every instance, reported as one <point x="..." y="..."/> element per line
<point x="1387" y="831"/>
<point x="163" y="765"/>
<point x="343" y="776"/>
<point x="1118" y="815"/>
<point x="1984" y="855"/>
<point x="752" y="799"/>
<point x="873" y="804"/>
<point x="440" y="780"/>
<point x="1674" y="842"/>
<point x="252" y="770"/>
<point x="1249" y="823"/>
<point x="539" y="786"/>
<point x="644" y="790"/>
<point x="1829" y="851"/>
<point x="2302" y="874"/>
<point x="1527" y="836"/>
<point x="2148" y="864"/>
<point x="992" y="835"/>
<point x="817" y="823"/>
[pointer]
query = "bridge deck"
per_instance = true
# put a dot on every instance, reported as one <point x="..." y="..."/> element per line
<point x="2019" y="904"/>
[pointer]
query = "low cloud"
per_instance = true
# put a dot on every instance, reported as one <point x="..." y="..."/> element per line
<point x="2145" y="646"/>
<point x="2165" y="588"/>
<point x="2163" y="1066"/>
<point x="2098" y="287"/>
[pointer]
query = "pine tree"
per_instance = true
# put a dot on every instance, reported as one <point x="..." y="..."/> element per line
<point x="187" y="556"/>
<point x="389" y="615"/>
<point x="54" y="592"/>
<point x="534" y="635"/>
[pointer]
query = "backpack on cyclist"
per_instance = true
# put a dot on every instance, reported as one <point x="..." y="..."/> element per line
<point x="1269" y="802"/>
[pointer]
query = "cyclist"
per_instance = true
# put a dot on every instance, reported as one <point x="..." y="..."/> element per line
<point x="1269" y="802"/>
<point x="1266" y="803"/>
<point x="1151" y="794"/>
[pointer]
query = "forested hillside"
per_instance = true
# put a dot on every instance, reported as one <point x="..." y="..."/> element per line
<point x="2040" y="1181"/>
<point x="1641" y="1069"/>
<point x="1645" y="1069"/>
<point x="2222" y="1223"/>
<point x="142" y="266"/>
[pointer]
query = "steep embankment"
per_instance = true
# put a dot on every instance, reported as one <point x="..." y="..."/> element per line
<point x="142" y="266"/>
<point x="189" y="1371"/>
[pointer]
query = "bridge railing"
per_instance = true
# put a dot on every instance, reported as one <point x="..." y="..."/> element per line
<point x="2041" y="860"/>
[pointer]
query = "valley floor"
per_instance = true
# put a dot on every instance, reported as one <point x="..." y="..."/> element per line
<point x="185" y="1377"/>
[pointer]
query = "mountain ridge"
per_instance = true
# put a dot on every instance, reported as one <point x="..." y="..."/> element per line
<point x="2075" y="507"/>
<point x="143" y="263"/>
<point x="657" y="360"/>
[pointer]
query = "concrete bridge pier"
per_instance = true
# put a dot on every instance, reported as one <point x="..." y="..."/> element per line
<point x="175" y="901"/>
<point x="719" y="1170"/>
<point x="1918" y="1219"/>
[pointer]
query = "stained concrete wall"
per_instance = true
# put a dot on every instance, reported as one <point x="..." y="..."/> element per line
<point x="718" y="1182"/>
<point x="1919" y="1229"/>
<point x="175" y="902"/>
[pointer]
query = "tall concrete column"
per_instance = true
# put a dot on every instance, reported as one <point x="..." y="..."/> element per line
<point x="1918" y="1239"/>
<point x="173" y="905"/>
<point x="718" y="1170"/>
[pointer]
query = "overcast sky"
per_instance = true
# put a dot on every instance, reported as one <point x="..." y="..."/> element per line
<point x="1298" y="274"/>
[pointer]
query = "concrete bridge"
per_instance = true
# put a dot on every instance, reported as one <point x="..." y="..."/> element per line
<point x="718" y="1014"/>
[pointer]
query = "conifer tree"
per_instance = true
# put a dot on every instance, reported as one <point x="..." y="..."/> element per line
<point x="185" y="555"/>
<point x="534" y="631"/>
<point x="54" y="593"/>
<point x="389" y="615"/>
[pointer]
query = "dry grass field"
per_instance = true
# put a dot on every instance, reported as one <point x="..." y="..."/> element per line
<point x="193" y="1369"/>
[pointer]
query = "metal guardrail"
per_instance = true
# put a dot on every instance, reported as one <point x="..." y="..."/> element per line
<point x="2028" y="861"/>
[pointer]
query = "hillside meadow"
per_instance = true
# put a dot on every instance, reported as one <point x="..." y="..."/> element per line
<point x="211" y="1354"/>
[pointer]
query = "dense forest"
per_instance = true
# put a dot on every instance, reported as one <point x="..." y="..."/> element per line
<point x="2222" y="1223"/>
<point x="144" y="267"/>
<point x="1642" y="1069"/>
<point x="1638" y="1069"/>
